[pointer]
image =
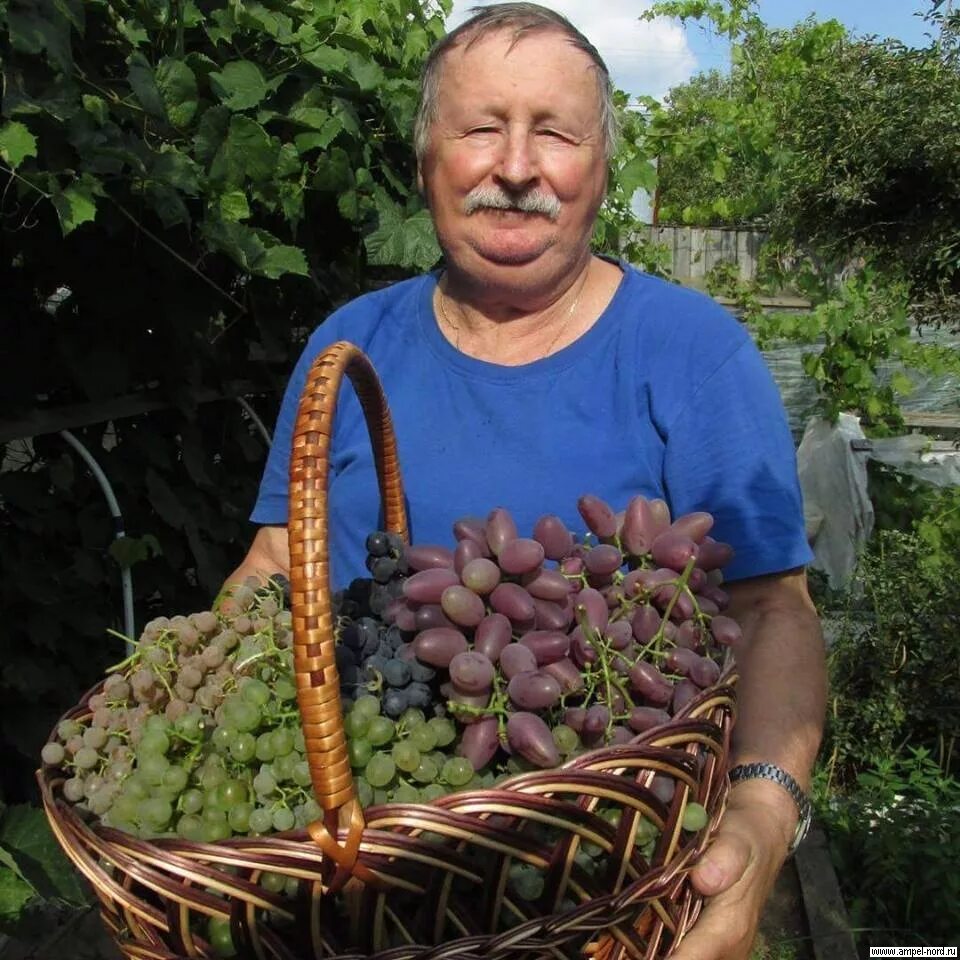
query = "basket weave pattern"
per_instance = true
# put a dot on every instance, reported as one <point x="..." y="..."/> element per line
<point x="424" y="881"/>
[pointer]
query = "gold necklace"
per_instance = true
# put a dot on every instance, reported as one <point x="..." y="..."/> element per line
<point x="570" y="312"/>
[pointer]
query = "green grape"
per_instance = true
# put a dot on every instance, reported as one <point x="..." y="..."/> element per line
<point x="527" y="882"/>
<point x="611" y="815"/>
<point x="273" y="882"/>
<point x="301" y="774"/>
<point x="412" y="717"/>
<point x="86" y="758"/>
<point x="284" y="689"/>
<point x="218" y="933"/>
<point x="155" y="812"/>
<point x="381" y="796"/>
<point x="191" y="801"/>
<point x="230" y="792"/>
<point x="566" y="739"/>
<point x="222" y="738"/>
<point x="247" y="716"/>
<point x="264" y="783"/>
<point x="155" y="723"/>
<point x="406" y="756"/>
<point x="68" y="728"/>
<point x="153" y="767"/>
<point x="153" y="741"/>
<point x="255" y="691"/>
<point x="457" y="771"/>
<point x="265" y="752"/>
<point x="423" y="737"/>
<point x="695" y="817"/>
<point x="239" y="816"/>
<point x="282" y="739"/>
<point x="216" y="830"/>
<point x="283" y="819"/>
<point x="381" y="731"/>
<point x="367" y="705"/>
<point x="283" y="767"/>
<point x="244" y="747"/>
<point x="380" y="770"/>
<point x="444" y="730"/>
<point x="359" y="752"/>
<point x="432" y="791"/>
<point x="175" y="779"/>
<point x="53" y="754"/>
<point x="311" y="810"/>
<point x="291" y="888"/>
<point x="406" y="793"/>
<point x="355" y="724"/>
<point x="213" y="814"/>
<point x="646" y="831"/>
<point x="189" y="725"/>
<point x="212" y="776"/>
<point x="364" y="792"/>
<point x="299" y="741"/>
<point x="426" y="771"/>
<point x="125" y="807"/>
<point x="261" y="820"/>
<point x="190" y="827"/>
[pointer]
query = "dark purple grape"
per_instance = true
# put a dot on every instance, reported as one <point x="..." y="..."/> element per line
<point x="565" y="672"/>
<point x="533" y="690"/>
<point x="480" y="575"/>
<point x="689" y="635"/>
<point x="529" y="736"/>
<point x="713" y="592"/>
<point x="673" y="550"/>
<point x="683" y="693"/>
<point x="572" y="567"/>
<point x="462" y="606"/>
<point x="466" y="551"/>
<point x="636" y="529"/>
<point x="707" y="606"/>
<point x="513" y="601"/>
<point x="704" y="672"/>
<point x="681" y="608"/>
<point x="581" y="650"/>
<point x="620" y="634"/>
<point x="431" y="615"/>
<point x="595" y="722"/>
<point x="552" y="616"/>
<point x="493" y="633"/>
<point x="472" y="672"/>
<point x="650" y="683"/>
<point x="663" y="787"/>
<point x="573" y="717"/>
<point x="472" y="528"/>
<point x="603" y="560"/>
<point x="520" y="556"/>
<point x="438" y="646"/>
<point x="620" y="734"/>
<point x="713" y="555"/>
<point x="548" y="585"/>
<point x="546" y="645"/>
<point x="598" y="516"/>
<point x="592" y="604"/>
<point x="679" y="660"/>
<point x="428" y="557"/>
<point x="500" y="529"/>
<point x="726" y="631"/>
<point x="697" y="579"/>
<point x="479" y="742"/>
<point x="552" y="534"/>
<point x="516" y="658"/>
<point x="645" y="623"/>
<point x="428" y="585"/>
<point x="645" y="718"/>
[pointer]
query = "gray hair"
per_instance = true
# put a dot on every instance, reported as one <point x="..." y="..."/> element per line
<point x="521" y="19"/>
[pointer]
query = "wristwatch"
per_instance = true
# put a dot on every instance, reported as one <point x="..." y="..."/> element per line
<point x="769" y="771"/>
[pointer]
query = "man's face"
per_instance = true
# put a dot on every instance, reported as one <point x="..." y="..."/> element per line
<point x="520" y="125"/>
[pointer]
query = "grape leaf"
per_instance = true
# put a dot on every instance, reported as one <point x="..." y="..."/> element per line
<point x="16" y="143"/>
<point x="233" y="205"/>
<point x="281" y="259"/>
<point x="239" y="85"/>
<point x="403" y="242"/>
<point x="178" y="88"/>
<point x="76" y="204"/>
<point x="141" y="77"/>
<point x="638" y="174"/>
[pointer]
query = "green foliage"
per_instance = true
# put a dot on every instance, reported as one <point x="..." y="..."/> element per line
<point x="894" y="837"/>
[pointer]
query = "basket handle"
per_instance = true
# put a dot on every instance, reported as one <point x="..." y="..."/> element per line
<point x="318" y="684"/>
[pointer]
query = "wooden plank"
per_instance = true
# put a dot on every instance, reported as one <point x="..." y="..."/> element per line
<point x="746" y="266"/>
<point x="728" y="246"/>
<point x="827" y="919"/>
<point x="934" y="421"/>
<point x="713" y="249"/>
<point x="697" y="244"/>
<point x="681" y="259"/>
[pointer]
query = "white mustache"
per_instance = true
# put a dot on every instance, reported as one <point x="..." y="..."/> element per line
<point x="531" y="201"/>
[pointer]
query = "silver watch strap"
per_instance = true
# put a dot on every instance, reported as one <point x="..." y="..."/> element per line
<point x="770" y="771"/>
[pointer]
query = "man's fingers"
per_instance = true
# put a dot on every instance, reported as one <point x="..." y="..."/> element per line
<point x="723" y="864"/>
<point x="722" y="932"/>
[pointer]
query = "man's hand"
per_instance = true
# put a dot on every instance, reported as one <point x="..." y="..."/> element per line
<point x="268" y="554"/>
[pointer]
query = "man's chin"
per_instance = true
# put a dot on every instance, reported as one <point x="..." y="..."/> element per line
<point x="511" y="254"/>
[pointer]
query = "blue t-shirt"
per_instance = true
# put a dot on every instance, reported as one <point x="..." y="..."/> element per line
<point x="665" y="395"/>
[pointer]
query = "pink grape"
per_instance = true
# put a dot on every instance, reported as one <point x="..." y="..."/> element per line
<point x="480" y="575"/>
<point x="639" y="583"/>
<point x="551" y="616"/>
<point x="501" y="528"/>
<point x="636" y="531"/>
<point x="620" y="634"/>
<point x="529" y="736"/>
<point x="663" y="787"/>
<point x="714" y="593"/>
<point x="427" y="557"/>
<point x="598" y="516"/>
<point x="707" y="606"/>
<point x="650" y="683"/>
<point x="566" y="673"/>
<point x="680" y="660"/>
<point x="516" y="658"/>
<point x="552" y="534"/>
<point x="439" y="645"/>
<point x="603" y="559"/>
<point x="689" y="635"/>
<point x="660" y="514"/>
<point x="725" y="630"/>
<point x="471" y="672"/>
<point x="573" y="717"/>
<point x="644" y="718"/>
<point x="694" y="525"/>
<point x="673" y="550"/>
<point x="400" y="613"/>
<point x="466" y="551"/>
<point x="546" y="645"/>
<point x="493" y="633"/>
<point x="620" y="734"/>
<point x="427" y="586"/>
<point x="472" y="528"/>
<point x="645" y="623"/>
<point x="431" y="615"/>
<point x="513" y="601"/>
<point x="520" y="556"/>
<point x="582" y="651"/>
<point x="548" y="585"/>
<point x="462" y="606"/>
<point x="479" y="742"/>
<point x="704" y="672"/>
<point x="594" y="607"/>
<point x="595" y="722"/>
<point x="683" y="693"/>
<point x="713" y="555"/>
<point x="532" y="690"/>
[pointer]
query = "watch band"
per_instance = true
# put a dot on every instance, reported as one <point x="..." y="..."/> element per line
<point x="769" y="771"/>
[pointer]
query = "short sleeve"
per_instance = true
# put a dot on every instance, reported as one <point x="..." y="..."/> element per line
<point x="729" y="451"/>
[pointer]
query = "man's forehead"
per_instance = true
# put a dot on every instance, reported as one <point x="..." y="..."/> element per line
<point x="509" y="38"/>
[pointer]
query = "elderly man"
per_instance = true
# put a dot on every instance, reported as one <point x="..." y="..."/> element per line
<point x="529" y="371"/>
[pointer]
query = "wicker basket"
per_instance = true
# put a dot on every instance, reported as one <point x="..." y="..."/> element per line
<point x="423" y="881"/>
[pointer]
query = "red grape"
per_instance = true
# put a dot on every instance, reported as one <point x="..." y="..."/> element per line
<point x="546" y="645"/>
<point x="551" y="533"/>
<point x="479" y="742"/>
<point x="439" y="645"/>
<point x="462" y="606"/>
<point x="493" y="633"/>
<point x="520" y="556"/>
<point x="694" y="525"/>
<point x="532" y="690"/>
<point x="428" y="585"/>
<point x="598" y="516"/>
<point x="516" y="658"/>
<point x="427" y="557"/>
<point x="471" y="672"/>
<point x="513" y="601"/>
<point x="529" y="736"/>
<point x="480" y="575"/>
<point x="500" y="529"/>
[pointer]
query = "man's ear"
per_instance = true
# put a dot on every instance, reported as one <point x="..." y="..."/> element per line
<point x="421" y="188"/>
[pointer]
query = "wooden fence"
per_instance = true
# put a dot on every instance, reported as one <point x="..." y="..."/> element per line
<point x="695" y="251"/>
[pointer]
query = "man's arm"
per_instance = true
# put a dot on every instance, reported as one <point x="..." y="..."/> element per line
<point x="781" y="697"/>
<point x="268" y="554"/>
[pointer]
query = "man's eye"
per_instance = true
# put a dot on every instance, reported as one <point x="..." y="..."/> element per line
<point x="547" y="132"/>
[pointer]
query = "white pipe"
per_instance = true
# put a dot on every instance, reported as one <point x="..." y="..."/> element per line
<point x="126" y="579"/>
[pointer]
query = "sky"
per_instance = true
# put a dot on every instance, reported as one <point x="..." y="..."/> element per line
<point x="647" y="59"/>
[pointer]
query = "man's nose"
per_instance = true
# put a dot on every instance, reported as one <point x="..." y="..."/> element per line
<point x="518" y="164"/>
